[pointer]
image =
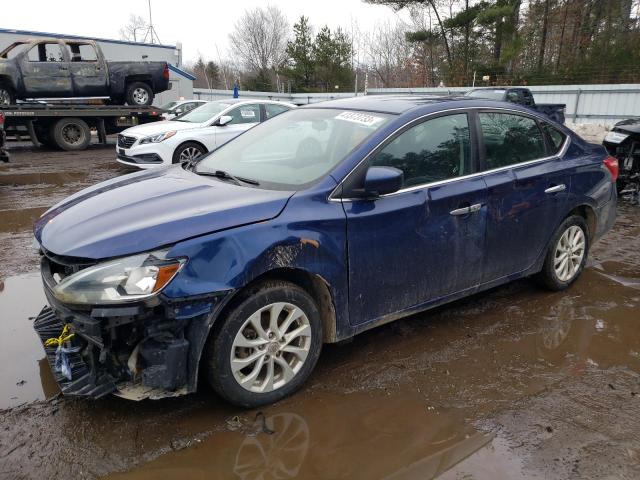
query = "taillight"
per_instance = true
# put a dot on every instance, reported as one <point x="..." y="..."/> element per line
<point x="1" y="119"/>
<point x="165" y="73"/>
<point x="612" y="165"/>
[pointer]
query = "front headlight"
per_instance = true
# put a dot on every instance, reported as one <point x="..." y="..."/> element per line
<point x="158" y="138"/>
<point x="122" y="280"/>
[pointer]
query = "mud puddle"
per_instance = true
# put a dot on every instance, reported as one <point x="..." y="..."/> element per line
<point x="25" y="375"/>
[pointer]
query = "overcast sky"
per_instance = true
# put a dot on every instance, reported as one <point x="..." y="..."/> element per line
<point x="199" y="25"/>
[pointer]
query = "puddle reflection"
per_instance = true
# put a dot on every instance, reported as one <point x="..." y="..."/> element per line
<point x="330" y="436"/>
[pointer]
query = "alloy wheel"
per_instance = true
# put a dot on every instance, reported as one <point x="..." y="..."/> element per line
<point x="569" y="253"/>
<point x="271" y="347"/>
<point x="140" y="96"/>
<point x="189" y="153"/>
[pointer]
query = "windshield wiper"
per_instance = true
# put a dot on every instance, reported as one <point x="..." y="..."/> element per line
<point x="227" y="176"/>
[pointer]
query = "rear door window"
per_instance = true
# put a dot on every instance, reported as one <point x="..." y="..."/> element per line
<point x="83" y="52"/>
<point x="510" y="139"/>
<point x="433" y="150"/>
<point x="272" y="110"/>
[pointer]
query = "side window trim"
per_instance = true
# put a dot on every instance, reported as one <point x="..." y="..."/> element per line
<point x="341" y="192"/>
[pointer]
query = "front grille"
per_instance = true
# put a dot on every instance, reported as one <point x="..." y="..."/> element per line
<point x="125" y="141"/>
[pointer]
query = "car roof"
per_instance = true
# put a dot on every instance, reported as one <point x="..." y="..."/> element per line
<point x="399" y="104"/>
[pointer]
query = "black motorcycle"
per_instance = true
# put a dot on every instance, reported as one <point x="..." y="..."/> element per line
<point x="623" y="143"/>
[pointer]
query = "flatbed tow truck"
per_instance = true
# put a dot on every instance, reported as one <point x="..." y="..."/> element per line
<point x="68" y="125"/>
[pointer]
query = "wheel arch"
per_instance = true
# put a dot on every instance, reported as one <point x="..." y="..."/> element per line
<point x="589" y="214"/>
<point x="316" y="286"/>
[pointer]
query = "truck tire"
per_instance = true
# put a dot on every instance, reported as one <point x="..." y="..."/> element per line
<point x="6" y="95"/>
<point x="139" y="94"/>
<point x="71" y="134"/>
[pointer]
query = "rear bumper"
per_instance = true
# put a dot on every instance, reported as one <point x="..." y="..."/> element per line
<point x="139" y="350"/>
<point x="606" y="215"/>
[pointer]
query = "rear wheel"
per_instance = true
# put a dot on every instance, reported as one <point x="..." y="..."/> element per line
<point x="567" y="254"/>
<point x="71" y="134"/>
<point x="187" y="152"/>
<point x="266" y="347"/>
<point x="139" y="93"/>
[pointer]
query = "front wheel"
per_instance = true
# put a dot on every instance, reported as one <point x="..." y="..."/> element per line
<point x="567" y="254"/>
<point x="139" y="94"/>
<point x="6" y="96"/>
<point x="187" y="152"/>
<point x="266" y="347"/>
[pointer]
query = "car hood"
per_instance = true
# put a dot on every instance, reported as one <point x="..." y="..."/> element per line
<point x="148" y="210"/>
<point x="155" y="128"/>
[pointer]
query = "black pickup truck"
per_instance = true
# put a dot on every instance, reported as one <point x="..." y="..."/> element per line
<point x="521" y="96"/>
<point x="58" y="68"/>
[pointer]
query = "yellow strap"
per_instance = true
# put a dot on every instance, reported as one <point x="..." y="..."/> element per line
<point x="64" y="336"/>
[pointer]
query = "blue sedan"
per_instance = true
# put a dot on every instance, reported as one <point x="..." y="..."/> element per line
<point x="310" y="228"/>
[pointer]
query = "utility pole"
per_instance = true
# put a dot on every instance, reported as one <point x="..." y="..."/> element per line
<point x="151" y="32"/>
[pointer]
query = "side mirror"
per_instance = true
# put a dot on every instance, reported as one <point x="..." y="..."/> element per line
<point x="382" y="180"/>
<point x="223" y="120"/>
<point x="178" y="111"/>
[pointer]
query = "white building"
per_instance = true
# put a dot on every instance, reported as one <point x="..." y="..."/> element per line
<point x="121" y="50"/>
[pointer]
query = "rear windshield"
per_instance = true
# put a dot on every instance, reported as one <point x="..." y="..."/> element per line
<point x="203" y="113"/>
<point x="495" y="94"/>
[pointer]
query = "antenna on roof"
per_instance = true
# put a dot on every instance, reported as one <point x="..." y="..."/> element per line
<point x="151" y="32"/>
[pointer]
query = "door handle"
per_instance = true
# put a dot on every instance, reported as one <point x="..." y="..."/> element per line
<point x="475" y="208"/>
<point x="460" y="211"/>
<point x="63" y="68"/>
<point x="556" y="188"/>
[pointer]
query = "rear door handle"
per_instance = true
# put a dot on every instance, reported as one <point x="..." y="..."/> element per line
<point x="556" y="188"/>
<point x="466" y="210"/>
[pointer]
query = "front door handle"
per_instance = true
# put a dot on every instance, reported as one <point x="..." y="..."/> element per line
<point x="64" y="68"/>
<point x="460" y="211"/>
<point x="475" y="208"/>
<point x="556" y="188"/>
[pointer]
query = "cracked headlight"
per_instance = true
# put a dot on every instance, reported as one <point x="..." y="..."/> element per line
<point x="157" y="138"/>
<point x="122" y="280"/>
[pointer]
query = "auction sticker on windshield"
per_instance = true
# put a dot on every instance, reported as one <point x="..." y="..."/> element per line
<point x="361" y="118"/>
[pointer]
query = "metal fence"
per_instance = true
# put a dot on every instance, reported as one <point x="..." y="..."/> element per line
<point x="602" y="104"/>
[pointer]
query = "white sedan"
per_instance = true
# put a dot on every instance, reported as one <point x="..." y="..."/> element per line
<point x="194" y="133"/>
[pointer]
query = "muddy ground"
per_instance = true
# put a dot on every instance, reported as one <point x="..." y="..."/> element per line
<point x="518" y="382"/>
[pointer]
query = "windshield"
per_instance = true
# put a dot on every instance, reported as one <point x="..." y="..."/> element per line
<point x="204" y="113"/>
<point x="295" y="148"/>
<point x="11" y="51"/>
<point x="497" y="94"/>
<point x="168" y="106"/>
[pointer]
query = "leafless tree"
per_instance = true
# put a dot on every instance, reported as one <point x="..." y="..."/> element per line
<point x="390" y="53"/>
<point x="259" y="38"/>
<point x="134" y="30"/>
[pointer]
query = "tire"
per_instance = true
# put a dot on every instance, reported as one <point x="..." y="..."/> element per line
<point x="187" y="152"/>
<point x="71" y="134"/>
<point x="274" y="299"/>
<point x="7" y="96"/>
<point x="553" y="275"/>
<point x="139" y="94"/>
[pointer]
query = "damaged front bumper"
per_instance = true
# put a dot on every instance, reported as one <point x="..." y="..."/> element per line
<point x="147" y="349"/>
